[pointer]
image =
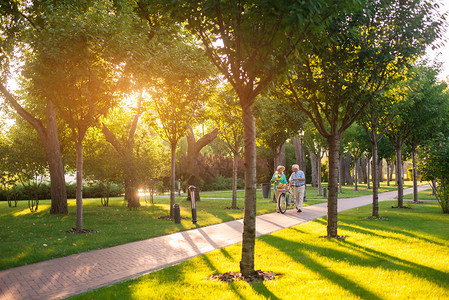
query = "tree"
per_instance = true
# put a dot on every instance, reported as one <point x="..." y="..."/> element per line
<point x="418" y="115"/>
<point x="375" y="120"/>
<point x="193" y="150"/>
<point x="430" y="106"/>
<point x="152" y="160"/>
<point x="250" y="43"/>
<point x="356" y="143"/>
<point x="276" y="122"/>
<point x="317" y="146"/>
<point x="434" y="166"/>
<point x="179" y="92"/>
<point x="124" y="146"/>
<point x="386" y="151"/>
<point x="101" y="162"/>
<point x="8" y="180"/>
<point x="26" y="159"/>
<point x="77" y="68"/>
<point x="227" y="118"/>
<point x="355" y="57"/>
<point x="21" y="24"/>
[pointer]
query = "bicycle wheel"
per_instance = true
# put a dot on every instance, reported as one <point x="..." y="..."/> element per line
<point x="292" y="198"/>
<point x="282" y="203"/>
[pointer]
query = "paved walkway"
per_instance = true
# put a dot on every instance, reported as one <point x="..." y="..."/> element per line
<point x="74" y="274"/>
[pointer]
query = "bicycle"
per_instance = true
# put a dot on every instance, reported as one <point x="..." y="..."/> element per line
<point x="286" y="199"/>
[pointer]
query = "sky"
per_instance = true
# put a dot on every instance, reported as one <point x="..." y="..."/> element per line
<point x="442" y="55"/>
<point x="443" y="51"/>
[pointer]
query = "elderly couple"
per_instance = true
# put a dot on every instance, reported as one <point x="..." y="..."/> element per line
<point x="297" y="179"/>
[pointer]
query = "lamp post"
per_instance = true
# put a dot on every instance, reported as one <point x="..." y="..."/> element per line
<point x="192" y="198"/>
<point x="303" y="164"/>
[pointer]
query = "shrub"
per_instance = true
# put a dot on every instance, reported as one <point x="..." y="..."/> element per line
<point x="434" y="166"/>
<point x="219" y="182"/>
<point x="98" y="190"/>
<point x="89" y="191"/>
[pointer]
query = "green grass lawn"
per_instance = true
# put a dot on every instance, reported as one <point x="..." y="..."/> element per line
<point x="27" y="237"/>
<point x="403" y="257"/>
<point x="348" y="191"/>
<point x="423" y="195"/>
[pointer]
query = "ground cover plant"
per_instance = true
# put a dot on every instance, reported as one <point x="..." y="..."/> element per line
<point x="404" y="257"/>
<point x="27" y="237"/>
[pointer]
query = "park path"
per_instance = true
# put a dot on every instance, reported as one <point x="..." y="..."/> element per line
<point x="74" y="274"/>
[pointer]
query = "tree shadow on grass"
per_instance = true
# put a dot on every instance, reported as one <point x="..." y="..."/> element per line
<point x="375" y="258"/>
<point x="258" y="286"/>
<point x="214" y="268"/>
<point x="225" y="253"/>
<point x="388" y="233"/>
<point x="369" y="226"/>
<point x="436" y="276"/>
<point x="313" y="265"/>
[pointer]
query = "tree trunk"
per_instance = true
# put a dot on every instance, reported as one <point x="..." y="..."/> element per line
<point x="50" y="141"/>
<point x="348" y="177"/>
<point x="55" y="164"/>
<point x="356" y="173"/>
<point x="314" y="166"/>
<point x="434" y="191"/>
<point x="79" y="184"/>
<point x="193" y="151"/>
<point x="277" y="156"/>
<point x="375" y="179"/>
<point x="399" y="177"/>
<point x="392" y="171"/>
<point x="234" y="180"/>
<point x="125" y="150"/>
<point x="131" y="181"/>
<point x="381" y="171"/>
<point x="332" y="199"/>
<point x="339" y="181"/>
<point x="303" y="163"/>
<point x="360" y="171"/>
<point x="282" y="156"/>
<point x="363" y="167"/>
<point x="298" y="154"/>
<point x="395" y="172"/>
<point x="388" y="173"/>
<point x="368" y="173"/>
<point x="341" y="169"/>
<point x="249" y="218"/>
<point x="320" y="192"/>
<point x="415" y="177"/>
<point x="172" y="179"/>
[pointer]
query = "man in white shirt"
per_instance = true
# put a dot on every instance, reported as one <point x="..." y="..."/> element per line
<point x="298" y="180"/>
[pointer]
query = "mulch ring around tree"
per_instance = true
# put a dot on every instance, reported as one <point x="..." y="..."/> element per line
<point x="376" y="218"/>
<point x="74" y="230"/>
<point x="258" y="276"/>
<point x="338" y="237"/>
<point x="405" y="207"/>
<point x="171" y="218"/>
